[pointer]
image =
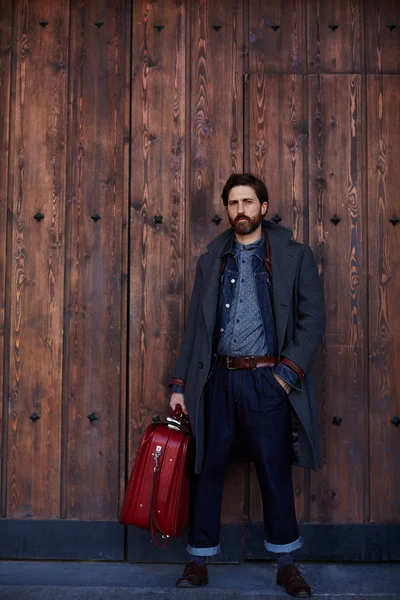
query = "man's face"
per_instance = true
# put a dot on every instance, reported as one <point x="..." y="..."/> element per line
<point x="245" y="212"/>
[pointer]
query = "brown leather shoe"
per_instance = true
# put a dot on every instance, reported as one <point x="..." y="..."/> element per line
<point x="290" y="578"/>
<point x="193" y="576"/>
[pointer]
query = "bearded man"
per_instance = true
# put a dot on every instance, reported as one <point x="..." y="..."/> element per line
<point x="245" y="367"/>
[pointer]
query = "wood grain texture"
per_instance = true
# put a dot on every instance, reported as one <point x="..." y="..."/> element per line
<point x="337" y="491"/>
<point x="283" y="48"/>
<point x="382" y="26"/>
<point x="216" y="114"/>
<point x="336" y="51"/>
<point x="93" y="304"/>
<point x="278" y="135"/>
<point x="5" y="77"/>
<point x="216" y="152"/>
<point x="37" y="278"/>
<point x="157" y="188"/>
<point x="384" y="291"/>
<point x="125" y="357"/>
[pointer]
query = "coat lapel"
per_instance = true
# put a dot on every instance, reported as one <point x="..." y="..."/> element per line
<point x="284" y="264"/>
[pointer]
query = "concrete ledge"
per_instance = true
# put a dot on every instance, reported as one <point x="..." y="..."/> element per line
<point x="122" y="581"/>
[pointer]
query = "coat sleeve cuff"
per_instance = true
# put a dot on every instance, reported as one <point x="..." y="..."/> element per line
<point x="177" y="385"/>
<point x="293" y="366"/>
<point x="289" y="375"/>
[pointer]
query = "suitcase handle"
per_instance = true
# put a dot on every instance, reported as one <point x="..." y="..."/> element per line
<point x="178" y="420"/>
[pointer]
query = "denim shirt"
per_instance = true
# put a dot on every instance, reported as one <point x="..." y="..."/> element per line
<point x="227" y="291"/>
<point x="258" y="302"/>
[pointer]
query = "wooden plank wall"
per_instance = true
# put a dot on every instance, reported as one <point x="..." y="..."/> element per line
<point x="120" y="122"/>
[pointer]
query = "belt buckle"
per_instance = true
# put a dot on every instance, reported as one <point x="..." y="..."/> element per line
<point x="228" y="359"/>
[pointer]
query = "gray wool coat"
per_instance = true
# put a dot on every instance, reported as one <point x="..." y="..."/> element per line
<point x="298" y="304"/>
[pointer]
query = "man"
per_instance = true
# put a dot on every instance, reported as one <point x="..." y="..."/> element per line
<point x="245" y="366"/>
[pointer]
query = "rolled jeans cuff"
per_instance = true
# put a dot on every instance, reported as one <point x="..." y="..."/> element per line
<point x="284" y="547"/>
<point x="203" y="551"/>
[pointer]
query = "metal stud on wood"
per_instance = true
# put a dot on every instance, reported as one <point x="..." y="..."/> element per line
<point x="394" y="220"/>
<point x="39" y="216"/>
<point x="99" y="24"/>
<point x="335" y="220"/>
<point x="276" y="218"/>
<point x="158" y="219"/>
<point x="216" y="219"/>
<point x="92" y="417"/>
<point x="43" y="23"/>
<point x="333" y="26"/>
<point x="95" y="217"/>
<point x="159" y="27"/>
<point x="336" y="420"/>
<point x="217" y="26"/>
<point x="275" y="27"/>
<point x="395" y="421"/>
<point x="391" y="26"/>
<point x="34" y="416"/>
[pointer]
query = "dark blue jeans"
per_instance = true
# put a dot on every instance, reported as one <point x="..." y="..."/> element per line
<point x="249" y="403"/>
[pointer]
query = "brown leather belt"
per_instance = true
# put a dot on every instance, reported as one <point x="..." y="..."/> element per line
<point x="247" y="362"/>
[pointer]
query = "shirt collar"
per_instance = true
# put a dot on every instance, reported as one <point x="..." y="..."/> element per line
<point x="233" y="247"/>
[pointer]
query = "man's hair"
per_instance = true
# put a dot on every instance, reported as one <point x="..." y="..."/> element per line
<point x="245" y="179"/>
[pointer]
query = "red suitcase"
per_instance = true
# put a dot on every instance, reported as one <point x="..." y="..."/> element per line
<point x="157" y="496"/>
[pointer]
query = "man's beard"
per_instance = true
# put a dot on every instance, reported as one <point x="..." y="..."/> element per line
<point x="247" y="226"/>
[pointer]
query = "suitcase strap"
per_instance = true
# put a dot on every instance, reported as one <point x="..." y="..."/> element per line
<point x="154" y="525"/>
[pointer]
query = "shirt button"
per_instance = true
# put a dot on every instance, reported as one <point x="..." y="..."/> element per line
<point x="200" y="365"/>
<point x="222" y="330"/>
<point x="227" y="305"/>
<point x="233" y="280"/>
<point x="237" y="320"/>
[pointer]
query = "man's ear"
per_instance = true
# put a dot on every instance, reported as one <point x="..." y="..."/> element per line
<point x="264" y="208"/>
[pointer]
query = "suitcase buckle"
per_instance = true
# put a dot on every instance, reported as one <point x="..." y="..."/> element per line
<point x="157" y="454"/>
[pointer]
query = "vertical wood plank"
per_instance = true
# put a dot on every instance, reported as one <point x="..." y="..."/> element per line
<point x="216" y="152"/>
<point x="338" y="50"/>
<point x="276" y="31"/>
<point x="93" y="308"/>
<point x="5" y="78"/>
<point x="278" y="134"/>
<point x="125" y="357"/>
<point x="157" y="189"/>
<point x="216" y="114"/>
<point x="337" y="491"/>
<point x="382" y="25"/>
<point x="37" y="278"/>
<point x="384" y="291"/>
